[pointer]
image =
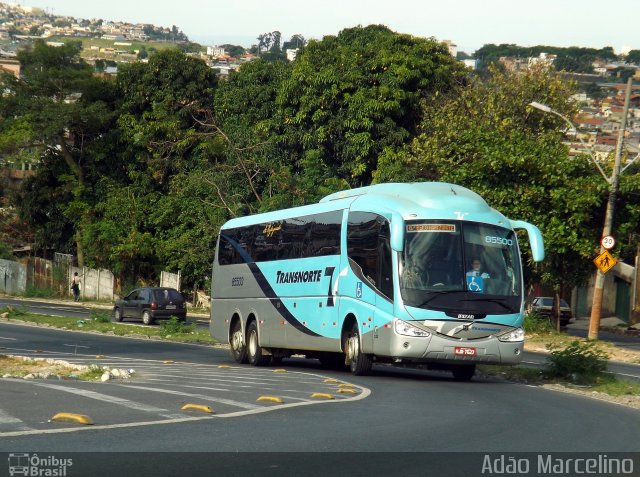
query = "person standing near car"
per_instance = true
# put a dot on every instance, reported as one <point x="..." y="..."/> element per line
<point x="75" y="286"/>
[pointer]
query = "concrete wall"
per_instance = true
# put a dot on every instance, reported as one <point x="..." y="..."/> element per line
<point x="13" y="277"/>
<point x="170" y="280"/>
<point x="94" y="284"/>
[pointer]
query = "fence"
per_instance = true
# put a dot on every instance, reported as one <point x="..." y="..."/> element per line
<point x="56" y="276"/>
<point x="13" y="277"/>
<point x="170" y="280"/>
<point x="94" y="284"/>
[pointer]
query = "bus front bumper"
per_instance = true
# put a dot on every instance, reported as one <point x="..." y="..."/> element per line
<point x="436" y="348"/>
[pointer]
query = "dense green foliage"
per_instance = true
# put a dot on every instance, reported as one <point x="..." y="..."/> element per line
<point x="137" y="174"/>
<point x="576" y="59"/>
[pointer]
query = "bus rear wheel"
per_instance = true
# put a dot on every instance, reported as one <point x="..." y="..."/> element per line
<point x="464" y="372"/>
<point x="237" y="347"/>
<point x="359" y="362"/>
<point x="254" y="350"/>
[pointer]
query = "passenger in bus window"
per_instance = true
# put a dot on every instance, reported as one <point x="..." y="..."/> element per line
<point x="476" y="277"/>
<point x="476" y="269"/>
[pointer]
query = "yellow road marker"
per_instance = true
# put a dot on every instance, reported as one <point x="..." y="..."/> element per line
<point x="71" y="417"/>
<point x="168" y="361"/>
<point x="275" y="399"/>
<point x="279" y="370"/>
<point x="100" y="356"/>
<point x="197" y="407"/>
<point x="331" y="380"/>
<point x="223" y="366"/>
<point x="322" y="396"/>
<point x="347" y="391"/>
<point x="345" y="385"/>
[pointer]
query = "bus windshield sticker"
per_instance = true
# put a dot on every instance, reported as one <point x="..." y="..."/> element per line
<point x="431" y="228"/>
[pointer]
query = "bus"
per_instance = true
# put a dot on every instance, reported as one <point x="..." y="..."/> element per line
<point x="381" y="274"/>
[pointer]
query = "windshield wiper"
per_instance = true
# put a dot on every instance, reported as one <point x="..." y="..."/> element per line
<point x="436" y="294"/>
<point x="492" y="300"/>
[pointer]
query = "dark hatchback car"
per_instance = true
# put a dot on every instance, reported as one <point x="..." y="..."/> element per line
<point x="543" y="305"/>
<point x="150" y="304"/>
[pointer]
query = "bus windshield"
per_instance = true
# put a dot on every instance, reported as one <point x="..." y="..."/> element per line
<point x="460" y="267"/>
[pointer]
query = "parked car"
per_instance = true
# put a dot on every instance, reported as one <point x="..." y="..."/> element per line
<point x="150" y="304"/>
<point x="543" y="305"/>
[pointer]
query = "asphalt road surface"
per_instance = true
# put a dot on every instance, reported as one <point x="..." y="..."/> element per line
<point x="392" y="412"/>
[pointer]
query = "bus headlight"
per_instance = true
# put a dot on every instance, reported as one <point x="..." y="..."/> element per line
<point x="404" y="328"/>
<point x="512" y="336"/>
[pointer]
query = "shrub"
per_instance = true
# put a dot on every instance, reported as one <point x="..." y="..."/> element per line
<point x="582" y="362"/>
<point x="173" y="326"/>
<point x="36" y="292"/>
<point x="535" y="323"/>
<point x="100" y="316"/>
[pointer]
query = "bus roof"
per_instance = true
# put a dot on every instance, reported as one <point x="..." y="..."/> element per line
<point x="416" y="200"/>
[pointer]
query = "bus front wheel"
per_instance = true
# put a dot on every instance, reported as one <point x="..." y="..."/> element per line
<point x="464" y="372"/>
<point x="359" y="362"/>
<point x="254" y="350"/>
<point x="237" y="346"/>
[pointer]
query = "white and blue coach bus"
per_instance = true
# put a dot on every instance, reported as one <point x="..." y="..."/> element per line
<point x="408" y="274"/>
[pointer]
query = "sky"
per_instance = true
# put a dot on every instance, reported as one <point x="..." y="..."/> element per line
<point x="468" y="23"/>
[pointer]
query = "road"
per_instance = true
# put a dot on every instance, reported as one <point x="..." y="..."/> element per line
<point x="628" y="371"/>
<point x="393" y="411"/>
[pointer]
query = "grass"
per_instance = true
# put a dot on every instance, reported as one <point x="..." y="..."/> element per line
<point x="605" y="383"/>
<point x="100" y="321"/>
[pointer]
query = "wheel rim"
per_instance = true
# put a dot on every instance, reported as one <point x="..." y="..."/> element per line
<point x="145" y="318"/>
<point x="253" y="343"/>
<point x="354" y="347"/>
<point x="237" y="341"/>
<point x="117" y="315"/>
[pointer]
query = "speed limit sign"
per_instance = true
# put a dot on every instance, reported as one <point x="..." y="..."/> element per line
<point x="608" y="242"/>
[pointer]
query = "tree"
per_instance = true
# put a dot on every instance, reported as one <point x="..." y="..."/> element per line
<point x="296" y="41"/>
<point x="235" y="51"/>
<point x="58" y="104"/>
<point x="145" y="220"/>
<point x="349" y="97"/>
<point x="633" y="57"/>
<point x="485" y="137"/>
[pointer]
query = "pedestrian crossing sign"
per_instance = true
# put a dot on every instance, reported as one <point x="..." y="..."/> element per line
<point x="605" y="261"/>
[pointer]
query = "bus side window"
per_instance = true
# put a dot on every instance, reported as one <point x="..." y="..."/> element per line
<point x="385" y="273"/>
<point x="368" y="245"/>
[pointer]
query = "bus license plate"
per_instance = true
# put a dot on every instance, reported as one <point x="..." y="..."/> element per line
<point x="462" y="351"/>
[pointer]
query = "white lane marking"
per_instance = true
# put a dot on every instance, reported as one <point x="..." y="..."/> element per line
<point x="12" y="422"/>
<point x="110" y="399"/>
<point x="107" y="426"/>
<point x="229" y="402"/>
<point x="8" y="339"/>
<point x="364" y="394"/>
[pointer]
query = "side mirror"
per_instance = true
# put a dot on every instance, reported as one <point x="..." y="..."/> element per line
<point x="397" y="232"/>
<point x="535" y="238"/>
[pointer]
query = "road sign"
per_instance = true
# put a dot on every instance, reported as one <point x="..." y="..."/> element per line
<point x="608" y="242"/>
<point x="605" y="261"/>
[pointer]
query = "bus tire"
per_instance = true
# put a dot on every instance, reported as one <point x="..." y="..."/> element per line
<point x="254" y="350"/>
<point x="237" y="346"/>
<point x="464" y="372"/>
<point x="359" y="363"/>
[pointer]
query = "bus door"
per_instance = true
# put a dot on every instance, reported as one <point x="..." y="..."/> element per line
<point x="370" y="260"/>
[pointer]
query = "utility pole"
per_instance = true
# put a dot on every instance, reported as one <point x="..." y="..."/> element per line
<point x="598" y="292"/>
